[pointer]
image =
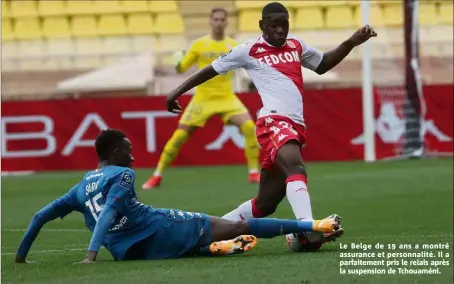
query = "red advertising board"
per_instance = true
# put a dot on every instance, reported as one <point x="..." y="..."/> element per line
<point x="59" y="134"/>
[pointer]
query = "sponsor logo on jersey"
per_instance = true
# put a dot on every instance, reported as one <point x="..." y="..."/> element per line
<point x="120" y="224"/>
<point x="126" y="180"/>
<point x="279" y="58"/>
<point x="95" y="173"/>
<point x="93" y="176"/>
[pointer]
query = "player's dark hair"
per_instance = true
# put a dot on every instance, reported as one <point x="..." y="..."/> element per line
<point x="107" y="141"/>
<point x="218" y="9"/>
<point x="272" y="8"/>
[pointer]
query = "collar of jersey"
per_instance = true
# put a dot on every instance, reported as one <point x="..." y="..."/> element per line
<point x="263" y="40"/>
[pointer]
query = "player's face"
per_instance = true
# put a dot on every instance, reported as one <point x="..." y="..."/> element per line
<point x="123" y="153"/>
<point x="218" y="22"/>
<point x="275" y="28"/>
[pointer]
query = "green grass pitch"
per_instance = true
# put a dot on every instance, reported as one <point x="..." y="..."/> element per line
<point x="400" y="202"/>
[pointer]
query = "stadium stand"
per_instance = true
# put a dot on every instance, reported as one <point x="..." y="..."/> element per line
<point x="139" y="23"/>
<point x="51" y="8"/>
<point x="81" y="35"/>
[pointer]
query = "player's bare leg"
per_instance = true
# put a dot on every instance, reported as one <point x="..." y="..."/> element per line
<point x="251" y="150"/>
<point x="272" y="190"/>
<point x="170" y="152"/>
<point x="230" y="237"/>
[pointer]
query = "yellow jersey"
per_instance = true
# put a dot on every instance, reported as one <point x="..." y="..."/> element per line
<point x="202" y="52"/>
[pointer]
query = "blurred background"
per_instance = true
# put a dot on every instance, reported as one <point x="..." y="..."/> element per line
<point x="47" y="42"/>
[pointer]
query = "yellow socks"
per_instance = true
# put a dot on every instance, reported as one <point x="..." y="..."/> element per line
<point x="251" y="149"/>
<point x="171" y="150"/>
<point x="180" y="137"/>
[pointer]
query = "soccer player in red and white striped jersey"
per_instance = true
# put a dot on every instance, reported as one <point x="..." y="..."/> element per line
<point x="273" y="61"/>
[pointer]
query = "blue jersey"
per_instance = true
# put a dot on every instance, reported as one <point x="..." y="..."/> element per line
<point x="110" y="187"/>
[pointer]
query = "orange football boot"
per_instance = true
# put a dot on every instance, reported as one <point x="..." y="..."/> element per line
<point x="328" y="225"/>
<point x="237" y="245"/>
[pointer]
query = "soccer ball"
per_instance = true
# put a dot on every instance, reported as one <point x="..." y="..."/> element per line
<point x="304" y="242"/>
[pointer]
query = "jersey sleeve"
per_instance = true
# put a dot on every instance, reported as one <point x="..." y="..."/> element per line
<point x="67" y="203"/>
<point x="58" y="208"/>
<point x="105" y="220"/>
<point x="120" y="189"/>
<point x="310" y="56"/>
<point x="237" y="57"/>
<point x="189" y="58"/>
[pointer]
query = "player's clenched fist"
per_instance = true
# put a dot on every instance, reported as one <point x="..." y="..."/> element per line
<point x="173" y="106"/>
<point x="362" y="35"/>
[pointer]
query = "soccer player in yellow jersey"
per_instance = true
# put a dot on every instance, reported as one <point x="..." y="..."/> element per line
<point x="214" y="97"/>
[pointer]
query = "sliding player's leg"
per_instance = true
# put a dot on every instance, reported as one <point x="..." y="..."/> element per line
<point x="188" y="233"/>
<point x="194" y="117"/>
<point x="224" y="233"/>
<point x="234" y="112"/>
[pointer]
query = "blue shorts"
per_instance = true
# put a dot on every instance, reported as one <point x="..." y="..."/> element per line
<point x="184" y="233"/>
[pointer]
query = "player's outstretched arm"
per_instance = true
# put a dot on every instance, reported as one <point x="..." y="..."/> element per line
<point x="59" y="208"/>
<point x="235" y="58"/>
<point x="335" y="56"/>
<point x="196" y="79"/>
<point x="107" y="216"/>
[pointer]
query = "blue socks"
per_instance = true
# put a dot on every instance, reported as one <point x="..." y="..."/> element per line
<point x="271" y="227"/>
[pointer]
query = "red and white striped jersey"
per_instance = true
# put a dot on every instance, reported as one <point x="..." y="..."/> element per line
<point x="275" y="71"/>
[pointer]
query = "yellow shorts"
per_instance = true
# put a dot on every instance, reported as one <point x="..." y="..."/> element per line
<point x="200" y="109"/>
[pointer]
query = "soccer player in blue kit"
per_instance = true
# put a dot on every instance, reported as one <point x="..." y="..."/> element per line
<point x="130" y="230"/>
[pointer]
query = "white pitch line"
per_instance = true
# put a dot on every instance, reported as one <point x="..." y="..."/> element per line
<point x="45" y="247"/>
<point x="48" y="251"/>
<point x="52" y="175"/>
<point x="17" y="173"/>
